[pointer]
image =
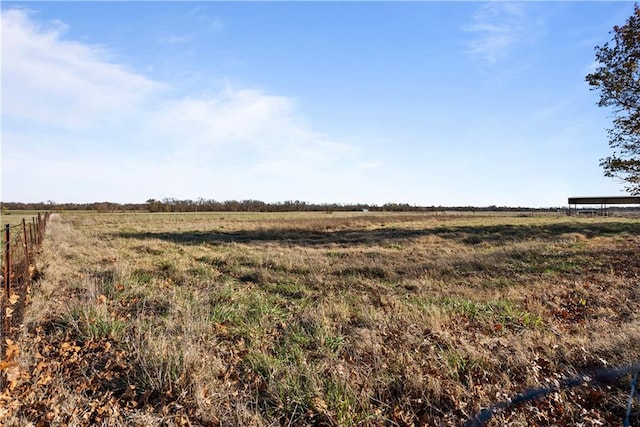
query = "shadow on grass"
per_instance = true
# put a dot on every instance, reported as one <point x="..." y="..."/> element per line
<point x="494" y="234"/>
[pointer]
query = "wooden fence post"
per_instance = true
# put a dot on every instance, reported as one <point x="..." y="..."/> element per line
<point x="35" y="231"/>
<point x="39" y="221"/>
<point x="31" y="242"/>
<point x="27" y="258"/>
<point x="26" y="240"/>
<point x="7" y="278"/>
<point x="7" y="260"/>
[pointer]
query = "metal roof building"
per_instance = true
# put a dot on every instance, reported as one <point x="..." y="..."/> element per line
<point x="604" y="201"/>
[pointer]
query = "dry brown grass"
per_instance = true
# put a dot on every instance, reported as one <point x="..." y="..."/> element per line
<point x="349" y="319"/>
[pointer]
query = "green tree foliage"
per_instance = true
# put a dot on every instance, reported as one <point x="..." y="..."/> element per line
<point x="617" y="78"/>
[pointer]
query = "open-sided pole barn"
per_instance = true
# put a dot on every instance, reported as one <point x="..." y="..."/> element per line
<point x="603" y="201"/>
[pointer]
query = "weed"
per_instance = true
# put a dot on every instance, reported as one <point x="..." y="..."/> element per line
<point x="141" y="276"/>
<point x="340" y="400"/>
<point x="90" y="322"/>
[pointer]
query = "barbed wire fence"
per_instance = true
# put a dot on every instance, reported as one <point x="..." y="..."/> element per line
<point x="21" y="244"/>
<point x="600" y="377"/>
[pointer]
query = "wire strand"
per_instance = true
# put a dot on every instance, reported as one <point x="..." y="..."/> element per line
<point x="603" y="376"/>
<point x="634" y="390"/>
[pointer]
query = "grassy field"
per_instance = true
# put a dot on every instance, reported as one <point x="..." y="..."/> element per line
<point x="15" y="217"/>
<point x="325" y="319"/>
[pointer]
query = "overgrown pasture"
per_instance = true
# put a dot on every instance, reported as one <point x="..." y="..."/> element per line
<point x="325" y="319"/>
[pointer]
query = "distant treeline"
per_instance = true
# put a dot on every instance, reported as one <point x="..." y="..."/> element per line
<point x="204" y="205"/>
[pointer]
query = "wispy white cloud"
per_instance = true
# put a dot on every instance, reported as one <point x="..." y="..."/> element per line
<point x="499" y="26"/>
<point x="52" y="81"/>
<point x="202" y="13"/>
<point x="100" y="125"/>
<point x="176" y="38"/>
<point x="216" y="24"/>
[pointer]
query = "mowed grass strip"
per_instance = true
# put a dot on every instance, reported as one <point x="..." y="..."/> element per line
<point x="350" y="319"/>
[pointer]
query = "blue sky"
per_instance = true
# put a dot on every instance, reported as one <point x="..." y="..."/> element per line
<point x="427" y="103"/>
